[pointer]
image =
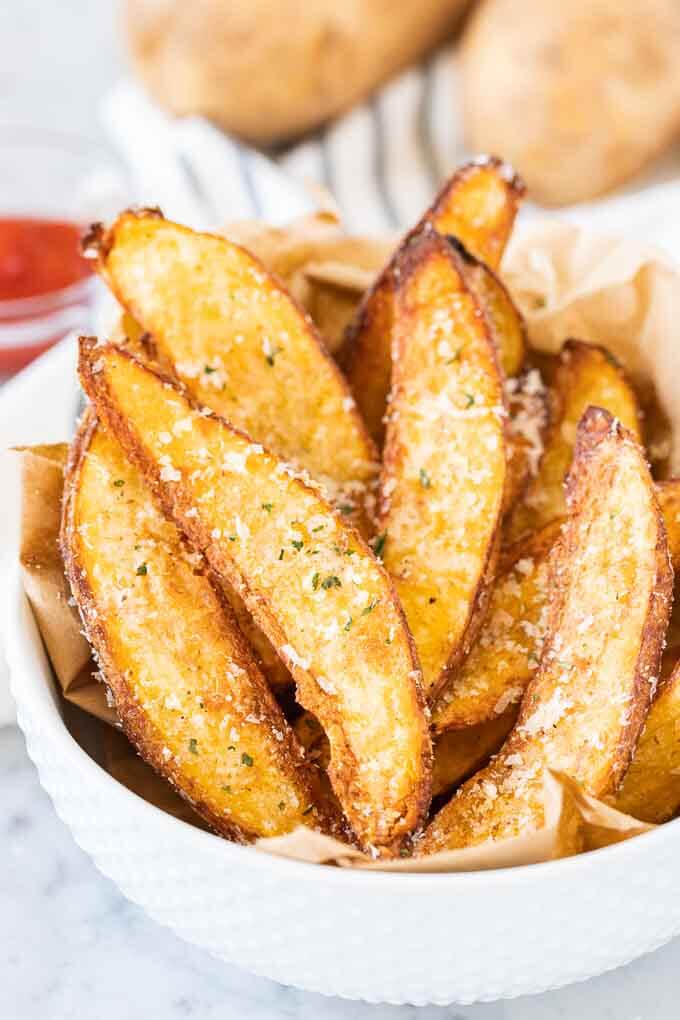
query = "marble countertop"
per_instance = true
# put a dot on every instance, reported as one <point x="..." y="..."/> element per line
<point x="70" y="945"/>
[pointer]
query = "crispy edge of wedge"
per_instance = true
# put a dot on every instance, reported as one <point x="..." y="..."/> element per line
<point x="365" y="355"/>
<point x="501" y="799"/>
<point x="579" y="365"/>
<point x="651" y="787"/>
<point x="385" y="825"/>
<point x="668" y="494"/>
<point x="105" y="245"/>
<point x="399" y="493"/>
<point x="506" y="671"/>
<point x="143" y="732"/>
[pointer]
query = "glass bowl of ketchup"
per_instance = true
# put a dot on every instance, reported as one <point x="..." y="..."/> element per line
<point x="51" y="187"/>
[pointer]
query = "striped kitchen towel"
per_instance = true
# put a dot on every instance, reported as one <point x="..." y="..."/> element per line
<point x="382" y="163"/>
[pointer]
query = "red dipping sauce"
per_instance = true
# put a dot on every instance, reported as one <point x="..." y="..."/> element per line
<point x="45" y="287"/>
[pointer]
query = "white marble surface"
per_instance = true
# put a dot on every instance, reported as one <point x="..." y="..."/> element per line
<point x="70" y="945"/>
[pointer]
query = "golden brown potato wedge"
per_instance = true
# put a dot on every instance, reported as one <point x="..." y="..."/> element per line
<point x="477" y="205"/>
<point x="186" y="688"/>
<point x="244" y="348"/>
<point x="507" y="649"/>
<point x="585" y="375"/>
<point x="461" y="753"/>
<point x="611" y="590"/>
<point x="444" y="468"/>
<point x="651" y="788"/>
<point x="668" y="494"/>
<point x="310" y="581"/>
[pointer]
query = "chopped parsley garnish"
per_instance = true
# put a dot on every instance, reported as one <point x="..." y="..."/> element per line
<point x="315" y="582"/>
<point x="425" y="479"/>
<point x="227" y="789"/>
<point x="379" y="544"/>
<point x="432" y="599"/>
<point x="346" y="508"/>
<point x="271" y="357"/>
<point x="208" y="369"/>
<point x="268" y="507"/>
<point x="332" y="581"/>
<point x="193" y="745"/>
<point x="281" y="555"/>
<point x="119" y="482"/>
<point x="470" y="398"/>
<point x="370" y="607"/>
<point x="231" y="748"/>
<point x="142" y="570"/>
<point x="282" y="805"/>
<point x="297" y="545"/>
<point x="246" y="760"/>
<point x="319" y="527"/>
<point x="232" y="538"/>
<point x="348" y="625"/>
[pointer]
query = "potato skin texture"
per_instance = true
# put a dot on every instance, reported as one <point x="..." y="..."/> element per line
<point x="583" y="712"/>
<point x="218" y="486"/>
<point x="227" y="61"/>
<point x="173" y="656"/>
<point x="579" y="96"/>
<point x="477" y="206"/>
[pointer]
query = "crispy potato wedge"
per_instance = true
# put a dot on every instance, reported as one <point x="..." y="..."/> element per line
<point x="461" y="753"/>
<point x="582" y="713"/>
<point x="507" y="649"/>
<point x="585" y="375"/>
<point x="651" y="788"/>
<point x="225" y="326"/>
<point x="310" y="581"/>
<point x="187" y="690"/>
<point x="668" y="494"/>
<point x="477" y="205"/>
<point x="455" y="755"/>
<point x="444" y="468"/>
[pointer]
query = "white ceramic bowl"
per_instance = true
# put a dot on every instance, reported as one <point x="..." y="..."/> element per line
<point x="380" y="937"/>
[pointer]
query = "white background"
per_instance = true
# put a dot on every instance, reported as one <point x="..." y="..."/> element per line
<point x="70" y="945"/>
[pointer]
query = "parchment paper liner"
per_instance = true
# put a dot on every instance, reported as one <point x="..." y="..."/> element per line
<point x="567" y="283"/>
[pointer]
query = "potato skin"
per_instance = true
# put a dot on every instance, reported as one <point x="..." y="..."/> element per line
<point x="578" y="96"/>
<point x="268" y="71"/>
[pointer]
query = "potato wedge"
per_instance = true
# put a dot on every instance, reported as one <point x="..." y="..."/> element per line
<point x="585" y="375"/>
<point x="444" y="468"/>
<point x="224" y="325"/>
<point x="611" y="594"/>
<point x="311" y="583"/>
<point x="461" y="753"/>
<point x="507" y="649"/>
<point x="651" y="788"/>
<point x="186" y="688"/>
<point x="668" y="494"/>
<point x="455" y="755"/>
<point x="477" y="205"/>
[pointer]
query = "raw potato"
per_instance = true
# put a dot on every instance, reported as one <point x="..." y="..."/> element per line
<point x="309" y="580"/>
<point x="187" y="690"/>
<point x="244" y="348"/>
<point x="585" y="375"/>
<point x="651" y="788"/>
<point x="507" y="650"/>
<point x="269" y="71"/>
<point x="611" y="591"/>
<point x="578" y="96"/>
<point x="477" y="206"/>
<point x="444" y="468"/>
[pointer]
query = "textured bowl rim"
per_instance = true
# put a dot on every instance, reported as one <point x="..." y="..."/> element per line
<point x="26" y="658"/>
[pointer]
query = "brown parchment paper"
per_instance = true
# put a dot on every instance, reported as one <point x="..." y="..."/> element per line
<point x="567" y="284"/>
